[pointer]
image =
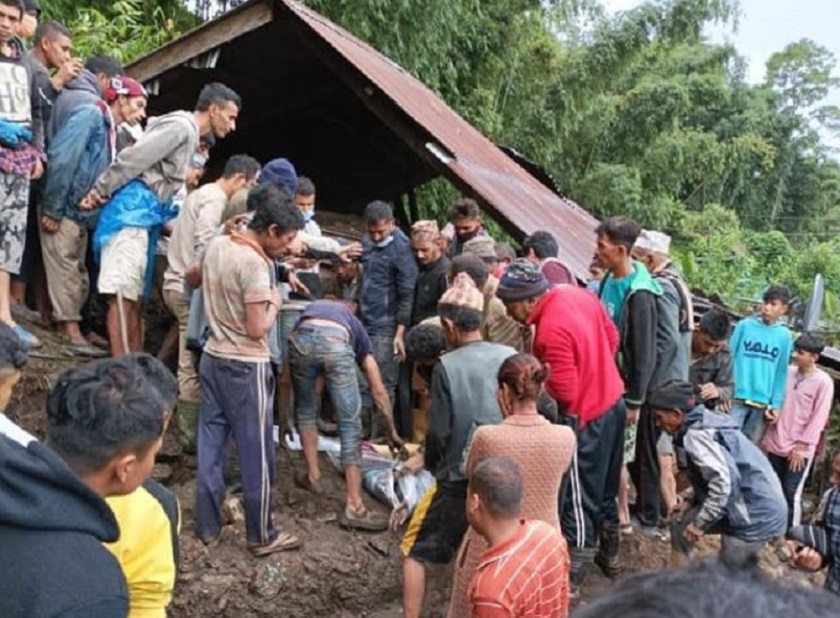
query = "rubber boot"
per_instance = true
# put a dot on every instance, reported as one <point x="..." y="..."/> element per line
<point x="607" y="558"/>
<point x="188" y="425"/>
<point x="580" y="562"/>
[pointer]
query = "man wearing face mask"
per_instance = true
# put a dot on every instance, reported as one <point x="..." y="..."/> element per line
<point x="465" y="217"/>
<point x="389" y="275"/>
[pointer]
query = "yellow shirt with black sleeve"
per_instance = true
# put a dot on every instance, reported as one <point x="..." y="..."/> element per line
<point x="149" y="520"/>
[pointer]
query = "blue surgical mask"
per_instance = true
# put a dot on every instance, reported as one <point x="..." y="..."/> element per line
<point x="384" y="243"/>
<point x="308" y="215"/>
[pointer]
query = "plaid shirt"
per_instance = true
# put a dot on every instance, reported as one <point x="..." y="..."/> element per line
<point x="18" y="160"/>
<point x="828" y="515"/>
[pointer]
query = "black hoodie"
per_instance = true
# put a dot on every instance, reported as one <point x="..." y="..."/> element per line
<point x="52" y="526"/>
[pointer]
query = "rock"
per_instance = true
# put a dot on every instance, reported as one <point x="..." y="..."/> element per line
<point x="266" y="581"/>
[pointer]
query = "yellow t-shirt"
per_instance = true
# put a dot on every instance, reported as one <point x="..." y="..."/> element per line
<point x="149" y="520"/>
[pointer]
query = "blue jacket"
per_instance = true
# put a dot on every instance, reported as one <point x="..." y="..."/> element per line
<point x="739" y="492"/>
<point x="388" y="278"/>
<point x="760" y="355"/>
<point x="78" y="154"/>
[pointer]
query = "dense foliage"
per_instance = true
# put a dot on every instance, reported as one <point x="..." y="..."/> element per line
<point x="634" y="113"/>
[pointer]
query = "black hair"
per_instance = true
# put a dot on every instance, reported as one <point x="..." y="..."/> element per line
<point x="542" y="243"/>
<point x="241" y="164"/>
<point x="216" y="93"/>
<point x="709" y="590"/>
<point x="378" y="211"/>
<point x="620" y="231"/>
<point x="13" y="352"/>
<point x="157" y="375"/>
<point x="464" y="319"/>
<point x="273" y="206"/>
<point x="504" y="252"/>
<point x="498" y="482"/>
<point x="100" y="410"/>
<point x="50" y="30"/>
<point x="811" y="343"/>
<point x="465" y="208"/>
<point x="715" y="324"/>
<point x="209" y="140"/>
<point x="425" y="342"/>
<point x="18" y="4"/>
<point x="777" y="292"/>
<point x="104" y="64"/>
<point x="305" y="186"/>
<point x="471" y="264"/>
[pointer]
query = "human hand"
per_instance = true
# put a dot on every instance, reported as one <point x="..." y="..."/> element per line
<point x="725" y="406"/>
<point x="796" y="459"/>
<point x="67" y="72"/>
<point x="709" y="391"/>
<point x="399" y="349"/>
<point x="49" y="225"/>
<point x="413" y="464"/>
<point x="692" y="533"/>
<point x="37" y="170"/>
<point x="632" y="417"/>
<point x="350" y="252"/>
<point x="298" y="286"/>
<point x="680" y="507"/>
<point x="807" y="559"/>
<point x="771" y="416"/>
<point x="92" y="200"/>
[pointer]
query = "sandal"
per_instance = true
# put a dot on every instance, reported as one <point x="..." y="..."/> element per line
<point x="85" y="350"/>
<point x="627" y="529"/>
<point x="302" y="480"/>
<point x="363" y="520"/>
<point x="283" y="542"/>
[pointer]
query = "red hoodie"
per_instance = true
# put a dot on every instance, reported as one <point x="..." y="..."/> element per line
<point x="576" y="338"/>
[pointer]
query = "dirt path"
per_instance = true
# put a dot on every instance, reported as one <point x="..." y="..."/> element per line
<point x="337" y="573"/>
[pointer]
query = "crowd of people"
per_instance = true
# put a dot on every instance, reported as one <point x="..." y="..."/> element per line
<point x="540" y="404"/>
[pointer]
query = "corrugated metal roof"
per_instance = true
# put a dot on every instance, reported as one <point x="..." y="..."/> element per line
<point x="505" y="187"/>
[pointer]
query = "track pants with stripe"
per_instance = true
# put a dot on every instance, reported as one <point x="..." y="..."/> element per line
<point x="236" y="398"/>
<point x="590" y="490"/>
<point x="792" y="484"/>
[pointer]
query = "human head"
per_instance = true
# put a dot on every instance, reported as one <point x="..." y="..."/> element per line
<point x="540" y="246"/>
<point x="806" y="350"/>
<point x="616" y="237"/>
<point x="834" y="478"/>
<point x="652" y="249"/>
<point x="11" y="15"/>
<point x="425" y="240"/>
<point x="460" y="310"/>
<point x="13" y="357"/>
<point x="305" y="197"/>
<point x="104" y="68"/>
<point x="276" y="219"/>
<point x="54" y="42"/>
<point x="195" y="170"/>
<point x="379" y="218"/>
<point x="127" y="98"/>
<point x="465" y="217"/>
<point x="711" y="333"/>
<point x="157" y="375"/>
<point x="708" y="590"/>
<point x="775" y="303"/>
<point x="346" y="272"/>
<point x="280" y="173"/>
<point x="424" y="345"/>
<point x="472" y="265"/>
<point x="106" y="420"/>
<point x="205" y="144"/>
<point x="670" y="403"/>
<point x="221" y="106"/>
<point x="494" y="494"/>
<point x="596" y="271"/>
<point x="240" y="172"/>
<point x="485" y="248"/>
<point x="521" y="379"/>
<point x="504" y="253"/>
<point x="521" y="287"/>
<point x="29" y="20"/>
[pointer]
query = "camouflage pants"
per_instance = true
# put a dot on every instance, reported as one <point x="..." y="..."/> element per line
<point x="14" y="205"/>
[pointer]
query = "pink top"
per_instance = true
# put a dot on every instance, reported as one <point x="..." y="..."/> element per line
<point x="804" y="413"/>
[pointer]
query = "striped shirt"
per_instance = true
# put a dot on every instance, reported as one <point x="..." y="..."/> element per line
<point x="527" y="575"/>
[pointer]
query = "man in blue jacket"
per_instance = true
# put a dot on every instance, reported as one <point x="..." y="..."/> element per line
<point x="82" y="149"/>
<point x="735" y="493"/>
<point x="389" y="274"/>
<point x="761" y="348"/>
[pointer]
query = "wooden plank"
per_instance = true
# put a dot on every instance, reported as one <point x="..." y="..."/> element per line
<point x="202" y="39"/>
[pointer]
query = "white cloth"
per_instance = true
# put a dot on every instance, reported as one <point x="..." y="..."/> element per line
<point x="14" y="432"/>
<point x="124" y="263"/>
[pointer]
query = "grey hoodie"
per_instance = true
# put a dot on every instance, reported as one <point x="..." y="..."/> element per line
<point x="83" y="89"/>
<point x="159" y="158"/>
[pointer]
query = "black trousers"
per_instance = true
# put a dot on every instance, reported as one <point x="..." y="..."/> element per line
<point x="644" y="471"/>
<point x="590" y="490"/>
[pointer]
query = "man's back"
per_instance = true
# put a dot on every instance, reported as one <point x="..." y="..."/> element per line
<point x="51" y="530"/>
<point x="525" y="576"/>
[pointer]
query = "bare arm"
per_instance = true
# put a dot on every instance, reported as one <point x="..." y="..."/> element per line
<point x="260" y="317"/>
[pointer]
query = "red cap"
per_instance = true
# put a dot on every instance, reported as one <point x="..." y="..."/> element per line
<point x="123" y="85"/>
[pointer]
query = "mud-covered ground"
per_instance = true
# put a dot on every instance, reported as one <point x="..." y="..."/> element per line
<point x="336" y="573"/>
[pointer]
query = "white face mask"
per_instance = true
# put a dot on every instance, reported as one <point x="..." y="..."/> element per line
<point x="384" y="243"/>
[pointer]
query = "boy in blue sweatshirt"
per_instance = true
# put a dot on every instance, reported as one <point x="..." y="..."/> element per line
<point x="761" y="349"/>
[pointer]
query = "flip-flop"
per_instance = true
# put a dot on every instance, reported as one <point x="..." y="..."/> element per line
<point x="85" y="350"/>
<point x="283" y="542"/>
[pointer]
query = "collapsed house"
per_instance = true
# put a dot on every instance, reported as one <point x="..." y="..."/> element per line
<point x="353" y="120"/>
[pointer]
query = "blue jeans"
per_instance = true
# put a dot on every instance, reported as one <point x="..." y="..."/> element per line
<point x="322" y="350"/>
<point x="750" y="420"/>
